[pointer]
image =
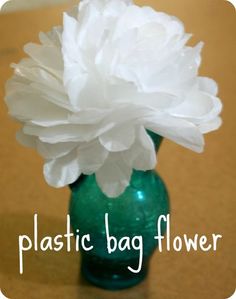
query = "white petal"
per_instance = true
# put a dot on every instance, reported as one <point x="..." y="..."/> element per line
<point x="142" y="155"/>
<point x="51" y="38"/>
<point x="32" y="71"/>
<point x="54" y="96"/>
<point x="67" y="133"/>
<point x="74" y="12"/>
<point x="210" y="126"/>
<point x="82" y="87"/>
<point x="48" y="91"/>
<point x="47" y="56"/>
<point x="114" y="176"/>
<point x="134" y="17"/>
<point x="115" y="8"/>
<point x="198" y="107"/>
<point x="90" y="116"/>
<point x="75" y="73"/>
<point x="31" y="105"/>
<point x="100" y="4"/>
<point x="75" y="80"/>
<point x="119" y="138"/>
<point x="178" y="130"/>
<point x="128" y="113"/>
<point x="26" y="140"/>
<point x="90" y="95"/>
<point x="91" y="157"/>
<point x="54" y="151"/>
<point x="69" y="39"/>
<point x="208" y="85"/>
<point x="126" y="93"/>
<point x="62" y="171"/>
<point x="173" y="71"/>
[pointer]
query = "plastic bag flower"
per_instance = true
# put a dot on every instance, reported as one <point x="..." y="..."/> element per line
<point x="91" y="89"/>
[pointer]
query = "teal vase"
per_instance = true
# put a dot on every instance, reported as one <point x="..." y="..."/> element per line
<point x="134" y="213"/>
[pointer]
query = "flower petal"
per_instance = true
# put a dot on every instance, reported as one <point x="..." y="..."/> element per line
<point x="31" y="70"/>
<point x="51" y="38"/>
<point x="88" y="116"/>
<point x="62" y="171"/>
<point x="126" y="93"/>
<point x="75" y="73"/>
<point x="119" y="138"/>
<point x="199" y="107"/>
<point x="142" y="155"/>
<point x="26" y="140"/>
<point x="47" y="56"/>
<point x="91" y="157"/>
<point x="67" y="133"/>
<point x="114" y="176"/>
<point x="210" y="125"/>
<point x="54" y="151"/>
<point x="208" y="85"/>
<point x="178" y="130"/>
<point x="30" y="105"/>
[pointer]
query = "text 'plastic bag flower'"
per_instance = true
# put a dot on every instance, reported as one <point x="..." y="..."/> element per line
<point x="87" y="94"/>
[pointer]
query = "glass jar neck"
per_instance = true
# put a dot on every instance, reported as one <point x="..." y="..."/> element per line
<point x="157" y="139"/>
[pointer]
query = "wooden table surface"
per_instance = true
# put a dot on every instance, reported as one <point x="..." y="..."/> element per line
<point x="202" y="187"/>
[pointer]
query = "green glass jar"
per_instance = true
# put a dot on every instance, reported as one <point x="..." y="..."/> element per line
<point x="134" y="213"/>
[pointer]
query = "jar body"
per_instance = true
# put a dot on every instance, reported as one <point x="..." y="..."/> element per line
<point x="133" y="214"/>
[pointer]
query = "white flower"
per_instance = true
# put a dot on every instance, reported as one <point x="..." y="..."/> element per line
<point x="91" y="89"/>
